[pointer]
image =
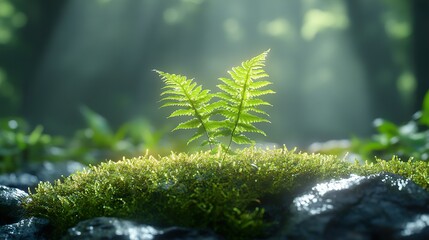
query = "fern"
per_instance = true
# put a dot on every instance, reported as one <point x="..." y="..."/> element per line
<point x="240" y="99"/>
<point x="238" y="103"/>
<point x="194" y="102"/>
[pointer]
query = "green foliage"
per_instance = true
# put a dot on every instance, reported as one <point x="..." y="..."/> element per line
<point x="410" y="140"/>
<point x="424" y="119"/>
<point x="98" y="141"/>
<point x="9" y="96"/>
<point x="237" y="103"/>
<point x="198" y="190"/>
<point x="19" y="145"/>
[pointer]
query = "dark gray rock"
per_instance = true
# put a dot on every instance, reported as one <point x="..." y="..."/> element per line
<point x="46" y="171"/>
<point x="110" y="228"/>
<point x="179" y="233"/>
<point x="51" y="171"/>
<point x="381" y="206"/>
<point x="11" y="210"/>
<point x="29" y="228"/>
<point x="22" y="181"/>
<point x="118" y="229"/>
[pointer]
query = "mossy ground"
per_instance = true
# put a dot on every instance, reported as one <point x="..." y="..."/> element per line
<point x="200" y="190"/>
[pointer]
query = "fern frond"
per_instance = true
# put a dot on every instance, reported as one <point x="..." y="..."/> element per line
<point x="249" y="128"/>
<point x="257" y="93"/>
<point x="182" y="112"/>
<point x="193" y="100"/>
<point x="254" y="102"/>
<point x="246" y="117"/>
<point x="260" y="84"/>
<point x="199" y="133"/>
<point x="190" y="124"/>
<point x="174" y="104"/>
<point x="241" y="139"/>
<point x="240" y="96"/>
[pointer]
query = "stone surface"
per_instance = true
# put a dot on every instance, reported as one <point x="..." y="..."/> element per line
<point x="110" y="228"/>
<point x="118" y="229"/>
<point x="29" y="228"/>
<point x="381" y="206"/>
<point x="50" y="171"/>
<point x="22" y="181"/>
<point x="10" y="204"/>
<point x="33" y="174"/>
<point x="178" y="233"/>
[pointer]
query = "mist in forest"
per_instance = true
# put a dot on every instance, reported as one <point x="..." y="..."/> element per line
<point x="333" y="70"/>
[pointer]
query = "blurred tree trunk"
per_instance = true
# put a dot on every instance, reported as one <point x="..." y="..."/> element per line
<point x="20" y="56"/>
<point x="42" y="18"/>
<point x="420" y="45"/>
<point x="373" y="47"/>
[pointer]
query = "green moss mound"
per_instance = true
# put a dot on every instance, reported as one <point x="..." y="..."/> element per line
<point x="200" y="190"/>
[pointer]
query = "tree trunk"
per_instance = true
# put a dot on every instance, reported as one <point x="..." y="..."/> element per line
<point x="420" y="49"/>
<point x="372" y="46"/>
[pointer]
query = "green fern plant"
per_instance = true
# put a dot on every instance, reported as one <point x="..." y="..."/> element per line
<point x="232" y="115"/>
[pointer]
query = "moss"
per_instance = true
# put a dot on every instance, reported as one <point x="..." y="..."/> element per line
<point x="197" y="190"/>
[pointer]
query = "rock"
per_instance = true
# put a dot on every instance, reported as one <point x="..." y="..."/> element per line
<point x="178" y="233"/>
<point x="51" y="171"/>
<point x="381" y="206"/>
<point x="46" y="171"/>
<point x="22" y="181"/>
<point x="110" y="228"/>
<point x="30" y="228"/>
<point x="114" y="228"/>
<point x="10" y="205"/>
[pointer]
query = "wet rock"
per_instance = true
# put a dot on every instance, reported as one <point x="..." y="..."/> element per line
<point x="51" y="171"/>
<point x="178" y="233"/>
<point x="32" y="175"/>
<point x="10" y="204"/>
<point x="110" y="228"/>
<point x="22" y="181"/>
<point x="381" y="206"/>
<point x="114" y="228"/>
<point x="30" y="228"/>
